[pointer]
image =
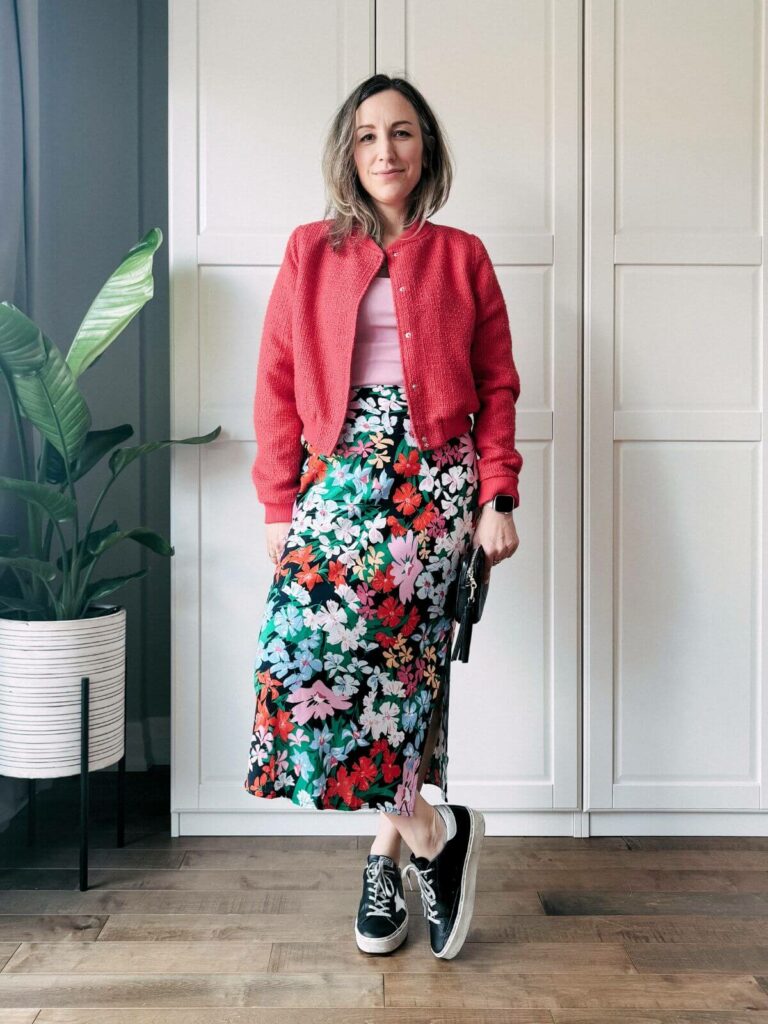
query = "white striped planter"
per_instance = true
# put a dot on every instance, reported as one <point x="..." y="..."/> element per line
<point x="41" y="665"/>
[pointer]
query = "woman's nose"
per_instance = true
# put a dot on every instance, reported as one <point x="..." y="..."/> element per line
<point x="387" y="152"/>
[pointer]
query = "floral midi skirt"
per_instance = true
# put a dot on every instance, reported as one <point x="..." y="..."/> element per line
<point x="354" y="645"/>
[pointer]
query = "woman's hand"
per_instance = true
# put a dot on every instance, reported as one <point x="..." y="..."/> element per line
<point x="276" y="535"/>
<point x="498" y="536"/>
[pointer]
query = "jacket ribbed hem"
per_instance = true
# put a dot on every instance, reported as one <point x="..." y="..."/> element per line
<point x="325" y="439"/>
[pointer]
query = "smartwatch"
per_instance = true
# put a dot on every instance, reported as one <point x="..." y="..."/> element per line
<point x="503" y="503"/>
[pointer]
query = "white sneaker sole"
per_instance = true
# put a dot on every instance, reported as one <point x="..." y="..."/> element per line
<point x="383" y="945"/>
<point x="460" y="929"/>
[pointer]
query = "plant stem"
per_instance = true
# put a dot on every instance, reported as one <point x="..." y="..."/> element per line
<point x="68" y="584"/>
<point x="80" y="591"/>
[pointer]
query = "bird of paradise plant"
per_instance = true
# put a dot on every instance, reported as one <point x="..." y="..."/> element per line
<point x="42" y="386"/>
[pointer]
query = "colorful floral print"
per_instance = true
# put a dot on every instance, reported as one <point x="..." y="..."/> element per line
<point x="355" y="638"/>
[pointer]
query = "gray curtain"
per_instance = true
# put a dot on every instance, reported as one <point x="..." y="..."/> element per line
<point x="18" y="231"/>
<point x="83" y="176"/>
<point x="18" y="33"/>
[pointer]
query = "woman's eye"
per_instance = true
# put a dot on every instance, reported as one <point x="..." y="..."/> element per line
<point x="400" y="131"/>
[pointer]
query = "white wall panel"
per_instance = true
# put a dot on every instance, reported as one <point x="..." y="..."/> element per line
<point x="504" y="78"/>
<point x="669" y="456"/>
<point x="237" y="575"/>
<point x="253" y="87"/>
<point x="672" y="325"/>
<point x="686" y="625"/>
<point x="674" y="472"/>
<point x="269" y="78"/>
<point x="688" y="90"/>
<point x="233" y="301"/>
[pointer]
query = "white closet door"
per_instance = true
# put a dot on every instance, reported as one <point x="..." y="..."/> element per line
<point x="252" y="89"/>
<point x="252" y="86"/>
<point x="504" y="78"/>
<point x="674" y="472"/>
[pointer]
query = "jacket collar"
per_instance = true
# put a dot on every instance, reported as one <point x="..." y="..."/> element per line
<point x="413" y="233"/>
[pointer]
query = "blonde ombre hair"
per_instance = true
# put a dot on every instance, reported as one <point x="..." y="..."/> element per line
<point x="347" y="201"/>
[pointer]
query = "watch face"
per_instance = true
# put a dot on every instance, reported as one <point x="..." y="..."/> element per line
<point x="503" y="503"/>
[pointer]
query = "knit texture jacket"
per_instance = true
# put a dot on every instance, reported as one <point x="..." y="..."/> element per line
<point x="455" y="342"/>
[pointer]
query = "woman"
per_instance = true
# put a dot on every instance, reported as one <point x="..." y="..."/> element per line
<point x="383" y="334"/>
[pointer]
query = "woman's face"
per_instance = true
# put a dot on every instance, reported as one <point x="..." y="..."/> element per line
<point x="388" y="139"/>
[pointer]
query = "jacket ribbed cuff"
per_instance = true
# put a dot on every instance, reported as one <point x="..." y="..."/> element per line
<point x="275" y="512"/>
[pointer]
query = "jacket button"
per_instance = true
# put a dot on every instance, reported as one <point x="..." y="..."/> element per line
<point x="401" y="288"/>
<point x="407" y="334"/>
<point x="424" y="440"/>
<point x="414" y="385"/>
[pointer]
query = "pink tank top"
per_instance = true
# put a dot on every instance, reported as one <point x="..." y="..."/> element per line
<point x="376" y="353"/>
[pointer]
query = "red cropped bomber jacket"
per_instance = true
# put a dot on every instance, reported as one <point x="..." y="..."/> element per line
<point x="455" y="344"/>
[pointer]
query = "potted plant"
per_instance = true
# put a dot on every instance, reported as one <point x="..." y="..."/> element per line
<point x="53" y="631"/>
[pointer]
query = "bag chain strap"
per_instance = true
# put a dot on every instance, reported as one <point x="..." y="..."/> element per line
<point x="472" y="582"/>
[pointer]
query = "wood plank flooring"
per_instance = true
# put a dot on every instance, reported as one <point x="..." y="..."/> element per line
<point x="200" y="930"/>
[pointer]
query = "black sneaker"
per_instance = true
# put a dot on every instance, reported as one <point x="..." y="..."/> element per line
<point x="382" y="919"/>
<point x="447" y="882"/>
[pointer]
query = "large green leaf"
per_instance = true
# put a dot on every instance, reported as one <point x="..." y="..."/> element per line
<point x="59" y="506"/>
<point x="96" y="445"/>
<point x="32" y="565"/>
<point x="102" y="587"/>
<point x="95" y="537"/>
<point x="125" y="456"/>
<point x="125" y="293"/>
<point x="12" y="598"/>
<point x="141" y="535"/>
<point x="51" y="399"/>
<point x="21" y="342"/>
<point x="13" y="603"/>
<point x="9" y="545"/>
<point x="102" y="540"/>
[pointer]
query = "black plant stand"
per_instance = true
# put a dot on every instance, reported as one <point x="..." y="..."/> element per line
<point x="84" y="794"/>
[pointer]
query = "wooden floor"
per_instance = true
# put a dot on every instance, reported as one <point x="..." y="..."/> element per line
<point x="230" y="930"/>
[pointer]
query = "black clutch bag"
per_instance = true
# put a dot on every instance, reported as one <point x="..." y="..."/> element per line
<point x="470" y="593"/>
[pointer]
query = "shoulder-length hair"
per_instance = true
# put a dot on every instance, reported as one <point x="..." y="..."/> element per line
<point x="347" y="201"/>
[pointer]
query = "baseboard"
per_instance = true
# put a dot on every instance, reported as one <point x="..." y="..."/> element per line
<point x="579" y="824"/>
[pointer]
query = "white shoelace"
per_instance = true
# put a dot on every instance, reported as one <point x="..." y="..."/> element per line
<point x="428" y="895"/>
<point x="381" y="889"/>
